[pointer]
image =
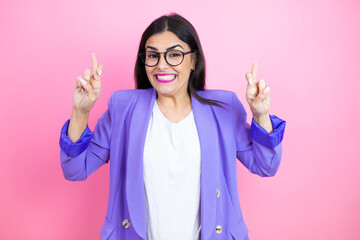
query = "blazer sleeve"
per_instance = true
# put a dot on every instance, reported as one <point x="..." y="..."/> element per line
<point x="80" y="159"/>
<point x="258" y="150"/>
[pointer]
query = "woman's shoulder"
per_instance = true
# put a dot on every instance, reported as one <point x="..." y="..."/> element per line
<point x="131" y="92"/>
<point x="218" y="95"/>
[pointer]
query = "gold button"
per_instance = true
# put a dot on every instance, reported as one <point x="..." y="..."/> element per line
<point x="126" y="223"/>
<point x="217" y="193"/>
<point x="218" y="229"/>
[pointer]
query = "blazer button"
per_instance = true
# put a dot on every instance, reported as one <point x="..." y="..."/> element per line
<point x="217" y="193"/>
<point x="126" y="223"/>
<point x="218" y="229"/>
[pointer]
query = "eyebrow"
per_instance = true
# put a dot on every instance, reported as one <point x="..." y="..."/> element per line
<point x="169" y="48"/>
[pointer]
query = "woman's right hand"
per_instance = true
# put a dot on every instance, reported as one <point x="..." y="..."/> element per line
<point x="87" y="89"/>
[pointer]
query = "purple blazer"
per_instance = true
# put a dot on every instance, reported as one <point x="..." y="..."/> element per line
<point x="224" y="135"/>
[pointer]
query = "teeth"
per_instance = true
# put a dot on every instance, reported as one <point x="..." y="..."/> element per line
<point x="166" y="77"/>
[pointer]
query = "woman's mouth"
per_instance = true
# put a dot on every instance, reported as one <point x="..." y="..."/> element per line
<point x="165" y="78"/>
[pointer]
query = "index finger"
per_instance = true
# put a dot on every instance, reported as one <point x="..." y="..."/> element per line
<point x="94" y="62"/>
<point x="254" y="70"/>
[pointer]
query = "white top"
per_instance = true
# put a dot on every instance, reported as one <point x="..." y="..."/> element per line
<point x="172" y="164"/>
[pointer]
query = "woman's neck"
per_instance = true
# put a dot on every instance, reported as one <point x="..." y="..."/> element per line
<point x="174" y="108"/>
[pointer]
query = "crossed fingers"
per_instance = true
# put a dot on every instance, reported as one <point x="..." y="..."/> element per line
<point x="257" y="93"/>
<point x="88" y="78"/>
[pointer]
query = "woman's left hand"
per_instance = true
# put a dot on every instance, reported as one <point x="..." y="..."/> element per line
<point x="258" y="97"/>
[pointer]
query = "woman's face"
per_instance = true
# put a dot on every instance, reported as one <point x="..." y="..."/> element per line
<point x="170" y="81"/>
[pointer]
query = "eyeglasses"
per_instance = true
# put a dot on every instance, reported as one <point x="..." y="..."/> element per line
<point x="172" y="57"/>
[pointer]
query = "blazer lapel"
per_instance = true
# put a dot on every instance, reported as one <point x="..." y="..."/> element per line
<point x="207" y="132"/>
<point x="134" y="171"/>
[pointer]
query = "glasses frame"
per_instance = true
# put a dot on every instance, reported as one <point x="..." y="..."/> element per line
<point x="142" y="57"/>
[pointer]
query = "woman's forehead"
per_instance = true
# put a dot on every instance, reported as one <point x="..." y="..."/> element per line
<point x="164" y="40"/>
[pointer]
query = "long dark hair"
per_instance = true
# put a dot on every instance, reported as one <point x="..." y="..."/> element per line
<point x="183" y="29"/>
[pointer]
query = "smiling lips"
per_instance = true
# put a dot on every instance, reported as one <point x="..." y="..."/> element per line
<point x="165" y="78"/>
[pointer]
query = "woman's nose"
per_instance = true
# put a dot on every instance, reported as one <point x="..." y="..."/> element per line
<point x="162" y="62"/>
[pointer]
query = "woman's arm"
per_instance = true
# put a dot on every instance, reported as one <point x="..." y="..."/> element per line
<point x="258" y="150"/>
<point x="89" y="152"/>
<point x="259" y="146"/>
<point x="78" y="124"/>
<point x="79" y="156"/>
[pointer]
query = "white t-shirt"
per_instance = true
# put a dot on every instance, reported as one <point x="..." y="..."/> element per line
<point x="172" y="165"/>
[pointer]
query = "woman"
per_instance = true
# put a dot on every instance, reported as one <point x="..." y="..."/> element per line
<point x="173" y="145"/>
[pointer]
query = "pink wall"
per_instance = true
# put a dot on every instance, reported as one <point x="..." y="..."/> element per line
<point x="308" y="52"/>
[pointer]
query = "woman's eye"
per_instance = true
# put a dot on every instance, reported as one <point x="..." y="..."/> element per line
<point x="174" y="55"/>
<point x="152" y="56"/>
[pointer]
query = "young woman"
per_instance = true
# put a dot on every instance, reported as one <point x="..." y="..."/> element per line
<point x="173" y="145"/>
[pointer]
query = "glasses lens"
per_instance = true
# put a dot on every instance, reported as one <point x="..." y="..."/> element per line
<point x="174" y="57"/>
<point x="151" y="58"/>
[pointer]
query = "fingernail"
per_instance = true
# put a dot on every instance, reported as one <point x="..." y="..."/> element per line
<point x="99" y="71"/>
<point x="250" y="81"/>
<point x="267" y="89"/>
<point x="83" y="82"/>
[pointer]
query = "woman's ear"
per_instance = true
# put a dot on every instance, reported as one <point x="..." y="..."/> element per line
<point x="193" y="61"/>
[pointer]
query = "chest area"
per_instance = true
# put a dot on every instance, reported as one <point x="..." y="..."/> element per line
<point x="171" y="149"/>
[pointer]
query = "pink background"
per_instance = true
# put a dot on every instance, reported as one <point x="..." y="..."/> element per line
<point x="308" y="53"/>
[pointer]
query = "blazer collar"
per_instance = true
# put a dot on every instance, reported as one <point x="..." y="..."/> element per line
<point x="207" y="132"/>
